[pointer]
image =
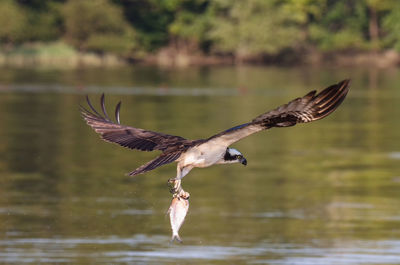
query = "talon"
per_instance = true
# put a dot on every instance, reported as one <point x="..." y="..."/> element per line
<point x="184" y="194"/>
<point x="171" y="181"/>
<point x="175" y="185"/>
<point x="173" y="191"/>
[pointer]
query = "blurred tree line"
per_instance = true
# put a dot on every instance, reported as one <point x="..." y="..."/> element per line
<point x="244" y="30"/>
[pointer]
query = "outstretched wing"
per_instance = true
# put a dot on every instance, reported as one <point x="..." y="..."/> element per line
<point x="309" y="108"/>
<point x="126" y="136"/>
<point x="135" y="138"/>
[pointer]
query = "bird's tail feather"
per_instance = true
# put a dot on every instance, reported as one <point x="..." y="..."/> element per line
<point x="158" y="161"/>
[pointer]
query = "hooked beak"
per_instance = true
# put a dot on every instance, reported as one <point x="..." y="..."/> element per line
<point x="243" y="161"/>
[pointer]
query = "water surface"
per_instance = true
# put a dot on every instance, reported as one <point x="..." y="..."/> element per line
<point x="321" y="193"/>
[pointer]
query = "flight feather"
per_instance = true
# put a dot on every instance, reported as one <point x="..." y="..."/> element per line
<point x="308" y="108"/>
<point x="126" y="136"/>
<point x="135" y="138"/>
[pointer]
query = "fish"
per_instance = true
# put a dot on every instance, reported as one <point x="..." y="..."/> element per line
<point x="177" y="213"/>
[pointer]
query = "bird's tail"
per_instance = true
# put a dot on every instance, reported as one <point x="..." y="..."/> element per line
<point x="158" y="161"/>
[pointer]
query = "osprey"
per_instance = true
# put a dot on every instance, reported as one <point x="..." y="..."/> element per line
<point x="215" y="149"/>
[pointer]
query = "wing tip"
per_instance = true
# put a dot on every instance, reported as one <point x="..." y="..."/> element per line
<point x="117" y="111"/>
<point x="344" y="84"/>
<point x="331" y="98"/>
<point x="92" y="113"/>
<point x="346" y="81"/>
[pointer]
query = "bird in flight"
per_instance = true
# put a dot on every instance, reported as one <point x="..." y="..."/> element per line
<point x="201" y="153"/>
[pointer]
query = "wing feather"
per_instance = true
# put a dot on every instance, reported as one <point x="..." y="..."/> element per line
<point x="309" y="108"/>
<point x="126" y="136"/>
<point x="135" y="138"/>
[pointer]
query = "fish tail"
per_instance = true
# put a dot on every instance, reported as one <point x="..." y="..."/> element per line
<point x="176" y="237"/>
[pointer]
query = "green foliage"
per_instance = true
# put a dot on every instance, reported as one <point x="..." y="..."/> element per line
<point x="304" y="11"/>
<point x="342" y="27"/>
<point x="251" y="27"/>
<point x="98" y="20"/>
<point x="111" y="43"/>
<point x="391" y="24"/>
<point x="44" y="24"/>
<point x="381" y="5"/>
<point x="191" y="21"/>
<point x="150" y="19"/>
<point x="13" y="22"/>
<point x="244" y="29"/>
<point x="341" y="40"/>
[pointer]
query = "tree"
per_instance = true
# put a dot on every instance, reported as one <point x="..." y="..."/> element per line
<point x="150" y="19"/>
<point x="391" y="26"/>
<point x="44" y="19"/>
<point x="97" y="25"/>
<point x="190" y="24"/>
<point x="375" y="9"/>
<point x="13" y="22"/>
<point x="341" y="27"/>
<point x="249" y="28"/>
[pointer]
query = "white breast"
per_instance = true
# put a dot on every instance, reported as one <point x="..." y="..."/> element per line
<point x="203" y="155"/>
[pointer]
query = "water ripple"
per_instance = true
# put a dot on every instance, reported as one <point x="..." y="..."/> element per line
<point x="156" y="250"/>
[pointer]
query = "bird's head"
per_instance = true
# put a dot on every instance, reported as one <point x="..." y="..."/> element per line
<point x="233" y="155"/>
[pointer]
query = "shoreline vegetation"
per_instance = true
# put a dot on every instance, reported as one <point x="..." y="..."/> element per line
<point x="61" y="55"/>
<point x="75" y="33"/>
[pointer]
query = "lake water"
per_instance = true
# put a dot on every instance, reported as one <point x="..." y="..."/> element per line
<point x="326" y="192"/>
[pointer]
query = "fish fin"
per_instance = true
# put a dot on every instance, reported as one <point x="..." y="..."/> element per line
<point x="176" y="238"/>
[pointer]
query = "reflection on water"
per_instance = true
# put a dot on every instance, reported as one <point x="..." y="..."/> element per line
<point x="321" y="193"/>
<point x="156" y="249"/>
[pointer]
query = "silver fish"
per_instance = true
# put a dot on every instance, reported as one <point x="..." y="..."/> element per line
<point x="177" y="213"/>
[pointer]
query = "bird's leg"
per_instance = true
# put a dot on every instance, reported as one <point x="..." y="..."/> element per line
<point x="174" y="185"/>
<point x="180" y="193"/>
